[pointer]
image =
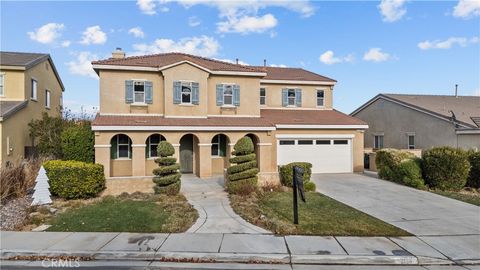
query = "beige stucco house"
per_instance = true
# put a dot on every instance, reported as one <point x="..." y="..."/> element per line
<point x="204" y="106"/>
<point x="29" y="86"/>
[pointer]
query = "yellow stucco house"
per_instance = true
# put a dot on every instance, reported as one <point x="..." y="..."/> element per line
<point x="204" y="106"/>
<point x="29" y="86"/>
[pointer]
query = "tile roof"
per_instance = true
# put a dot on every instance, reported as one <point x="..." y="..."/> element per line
<point x="21" y="59"/>
<point x="268" y="118"/>
<point x="293" y="74"/>
<point x="465" y="108"/>
<point x="8" y="108"/>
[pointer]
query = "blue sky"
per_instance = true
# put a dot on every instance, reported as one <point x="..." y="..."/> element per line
<point x="392" y="46"/>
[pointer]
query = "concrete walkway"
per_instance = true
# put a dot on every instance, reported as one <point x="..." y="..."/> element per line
<point x="211" y="201"/>
<point x="450" y="226"/>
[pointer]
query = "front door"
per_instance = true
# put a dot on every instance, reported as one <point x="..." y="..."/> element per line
<point x="186" y="154"/>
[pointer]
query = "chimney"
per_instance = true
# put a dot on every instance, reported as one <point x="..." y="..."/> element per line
<point x="264" y="62"/>
<point x="236" y="61"/>
<point x="118" y="53"/>
<point x="456" y="90"/>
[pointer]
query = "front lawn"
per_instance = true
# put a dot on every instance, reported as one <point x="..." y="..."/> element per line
<point x="127" y="213"/>
<point x="320" y="215"/>
<point x="468" y="196"/>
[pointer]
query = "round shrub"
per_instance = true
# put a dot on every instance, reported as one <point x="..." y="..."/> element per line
<point x="445" y="168"/>
<point x="167" y="177"/>
<point x="242" y="176"/>
<point x="244" y="146"/>
<point x="474" y="175"/>
<point x="387" y="161"/>
<point x="409" y="173"/>
<point x="286" y="173"/>
<point x="75" y="179"/>
<point x="309" y="187"/>
<point x="77" y="142"/>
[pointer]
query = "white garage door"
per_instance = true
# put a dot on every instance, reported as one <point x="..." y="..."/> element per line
<point x="326" y="155"/>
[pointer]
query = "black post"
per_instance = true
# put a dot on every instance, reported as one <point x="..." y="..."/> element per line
<point x="295" y="200"/>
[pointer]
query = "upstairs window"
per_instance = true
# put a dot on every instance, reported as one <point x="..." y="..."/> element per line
<point x="139" y="92"/>
<point x="411" y="141"/>
<point x="262" y="96"/>
<point x="228" y="94"/>
<point x="33" y="92"/>
<point x="320" y="98"/>
<point x="378" y="141"/>
<point x="2" y="76"/>
<point x="291" y="97"/>
<point x="186" y="92"/>
<point x="47" y="99"/>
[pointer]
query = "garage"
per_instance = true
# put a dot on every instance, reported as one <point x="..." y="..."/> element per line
<point x="327" y="154"/>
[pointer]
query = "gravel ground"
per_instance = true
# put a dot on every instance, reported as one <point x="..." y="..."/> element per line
<point x="14" y="212"/>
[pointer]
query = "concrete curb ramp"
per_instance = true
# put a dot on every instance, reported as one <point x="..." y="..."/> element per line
<point x="227" y="248"/>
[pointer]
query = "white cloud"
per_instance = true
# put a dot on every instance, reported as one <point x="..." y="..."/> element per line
<point x="147" y="6"/>
<point x="392" y="10"/>
<point x="448" y="43"/>
<point x="79" y="109"/>
<point x="137" y="32"/>
<point x="194" y="21"/>
<point x="232" y="62"/>
<point x="467" y="9"/>
<point x="47" y="33"/>
<point x="93" y="35"/>
<point x="376" y="55"/>
<point x="247" y="24"/>
<point x="202" y="45"/>
<point x="329" y="58"/>
<point x="82" y="65"/>
<point x="281" y="65"/>
<point x="65" y="43"/>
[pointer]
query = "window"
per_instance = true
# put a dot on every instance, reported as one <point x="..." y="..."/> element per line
<point x="33" y="93"/>
<point x="187" y="92"/>
<point x="378" y="141"/>
<point x="340" y="142"/>
<point x="47" y="99"/>
<point x="323" y="142"/>
<point x="139" y="92"/>
<point x="411" y="141"/>
<point x="291" y="97"/>
<point x="320" y="98"/>
<point x="262" y="96"/>
<point x="152" y="144"/>
<point x="121" y="147"/>
<point x="228" y="94"/>
<point x="305" y="142"/>
<point x="287" y="142"/>
<point x="219" y="145"/>
<point x="2" y="76"/>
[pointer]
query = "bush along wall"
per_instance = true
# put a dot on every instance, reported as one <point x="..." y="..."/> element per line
<point x="167" y="175"/>
<point x="78" y="142"/>
<point x="399" y="166"/>
<point x="286" y="175"/>
<point x="445" y="168"/>
<point x="474" y="175"/>
<point x="242" y="176"/>
<point x="75" y="179"/>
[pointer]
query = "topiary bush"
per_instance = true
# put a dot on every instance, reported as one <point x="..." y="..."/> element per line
<point x="74" y="179"/>
<point x="286" y="173"/>
<point x="445" y="168"/>
<point x="399" y="166"/>
<point x="309" y="186"/>
<point x="167" y="175"/>
<point x="474" y="175"/>
<point x="242" y="177"/>
<point x="78" y="142"/>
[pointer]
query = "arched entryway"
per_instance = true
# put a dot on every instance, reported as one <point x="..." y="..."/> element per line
<point x="255" y="141"/>
<point x="188" y="150"/>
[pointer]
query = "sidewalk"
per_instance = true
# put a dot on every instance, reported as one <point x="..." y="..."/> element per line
<point x="227" y="248"/>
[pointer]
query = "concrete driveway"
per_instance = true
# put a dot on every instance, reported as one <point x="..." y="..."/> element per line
<point x="451" y="226"/>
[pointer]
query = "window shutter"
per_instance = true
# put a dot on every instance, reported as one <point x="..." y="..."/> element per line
<point x="128" y="91"/>
<point x="284" y="97"/>
<point x="113" y="148"/>
<point x="219" y="94"/>
<point x="148" y="92"/>
<point x="177" y="92"/>
<point x="195" y="93"/>
<point x="236" y="95"/>
<point x="298" y="97"/>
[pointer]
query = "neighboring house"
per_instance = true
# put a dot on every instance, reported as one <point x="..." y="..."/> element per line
<point x="29" y="86"/>
<point x="204" y="106"/>
<point x="421" y="121"/>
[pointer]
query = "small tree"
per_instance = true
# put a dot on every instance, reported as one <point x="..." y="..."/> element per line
<point x="242" y="177"/>
<point x="78" y="142"/>
<point x="46" y="132"/>
<point x="167" y="175"/>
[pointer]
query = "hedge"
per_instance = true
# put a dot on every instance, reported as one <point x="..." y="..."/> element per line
<point x="474" y="175"/>
<point x="286" y="173"/>
<point x="167" y="176"/>
<point x="77" y="142"/>
<point x="399" y="166"/>
<point x="242" y="176"/>
<point x="445" y="168"/>
<point x="74" y="179"/>
<point x="309" y="186"/>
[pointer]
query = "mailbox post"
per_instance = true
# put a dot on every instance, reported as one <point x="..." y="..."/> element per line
<point x="297" y="186"/>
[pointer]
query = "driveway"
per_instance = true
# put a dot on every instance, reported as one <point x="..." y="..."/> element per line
<point x="211" y="201"/>
<point x="451" y="226"/>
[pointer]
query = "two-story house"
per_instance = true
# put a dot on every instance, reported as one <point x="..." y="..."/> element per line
<point x="29" y="86"/>
<point x="204" y="106"/>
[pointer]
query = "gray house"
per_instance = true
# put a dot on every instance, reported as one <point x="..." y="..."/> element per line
<point x="421" y="121"/>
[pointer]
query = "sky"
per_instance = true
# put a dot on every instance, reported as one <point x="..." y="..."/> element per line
<point x="369" y="47"/>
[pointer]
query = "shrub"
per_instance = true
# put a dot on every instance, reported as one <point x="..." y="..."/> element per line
<point x="309" y="186"/>
<point x="474" y="175"/>
<point x="77" y="142"/>
<point x="167" y="177"/>
<point x="242" y="177"/>
<point x="75" y="179"/>
<point x="399" y="166"/>
<point x="445" y="168"/>
<point x="47" y="134"/>
<point x="17" y="178"/>
<point x="409" y="173"/>
<point x="286" y="173"/>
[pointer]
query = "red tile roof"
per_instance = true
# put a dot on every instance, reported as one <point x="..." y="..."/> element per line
<point x="309" y="117"/>
<point x="293" y="74"/>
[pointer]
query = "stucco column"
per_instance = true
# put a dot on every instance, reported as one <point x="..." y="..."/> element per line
<point x="205" y="159"/>
<point x="138" y="159"/>
<point x="266" y="157"/>
<point x="176" y="155"/>
<point x="102" y="156"/>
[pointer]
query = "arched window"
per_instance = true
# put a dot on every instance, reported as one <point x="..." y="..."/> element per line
<point x="219" y="145"/>
<point x="152" y="144"/>
<point x="121" y="147"/>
